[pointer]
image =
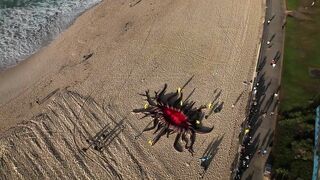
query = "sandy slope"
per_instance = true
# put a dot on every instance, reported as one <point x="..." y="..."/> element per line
<point x="135" y="47"/>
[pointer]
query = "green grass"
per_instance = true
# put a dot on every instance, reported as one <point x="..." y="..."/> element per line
<point x="293" y="148"/>
<point x="292" y="4"/>
<point x="293" y="144"/>
<point x="302" y="50"/>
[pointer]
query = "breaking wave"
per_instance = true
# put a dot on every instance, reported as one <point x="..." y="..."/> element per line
<point x="28" y="25"/>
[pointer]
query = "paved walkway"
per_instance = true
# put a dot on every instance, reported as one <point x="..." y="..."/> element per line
<point x="269" y="79"/>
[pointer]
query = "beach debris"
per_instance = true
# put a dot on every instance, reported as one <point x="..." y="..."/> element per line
<point x="135" y="3"/>
<point x="127" y="26"/>
<point x="246" y="82"/>
<point x="86" y="57"/>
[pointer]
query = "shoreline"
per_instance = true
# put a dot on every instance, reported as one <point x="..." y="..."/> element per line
<point x="141" y="47"/>
<point x="22" y="69"/>
<point x="55" y="25"/>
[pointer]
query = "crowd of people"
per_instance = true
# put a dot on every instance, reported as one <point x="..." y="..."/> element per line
<point x="249" y="145"/>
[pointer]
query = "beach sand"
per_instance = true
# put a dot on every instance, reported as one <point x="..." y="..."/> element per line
<point x="52" y="102"/>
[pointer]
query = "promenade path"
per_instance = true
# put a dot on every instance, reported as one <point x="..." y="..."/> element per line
<point x="269" y="84"/>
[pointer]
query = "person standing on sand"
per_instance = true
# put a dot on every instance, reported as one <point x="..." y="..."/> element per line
<point x="205" y="158"/>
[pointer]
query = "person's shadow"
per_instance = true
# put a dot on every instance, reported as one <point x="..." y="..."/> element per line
<point x="209" y="154"/>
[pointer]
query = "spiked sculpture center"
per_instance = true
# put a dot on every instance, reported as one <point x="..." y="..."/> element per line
<point x="175" y="117"/>
<point x="170" y="116"/>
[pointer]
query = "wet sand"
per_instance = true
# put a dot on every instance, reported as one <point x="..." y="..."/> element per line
<point x="136" y="45"/>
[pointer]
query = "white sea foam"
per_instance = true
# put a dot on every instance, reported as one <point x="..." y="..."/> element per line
<point x="24" y="30"/>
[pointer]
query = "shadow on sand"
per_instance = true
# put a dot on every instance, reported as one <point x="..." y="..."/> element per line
<point x="209" y="154"/>
<point x="105" y="136"/>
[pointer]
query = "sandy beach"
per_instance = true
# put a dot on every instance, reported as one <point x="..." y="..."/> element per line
<point x="59" y="97"/>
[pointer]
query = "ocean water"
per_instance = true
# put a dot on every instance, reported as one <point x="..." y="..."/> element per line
<point x="28" y="25"/>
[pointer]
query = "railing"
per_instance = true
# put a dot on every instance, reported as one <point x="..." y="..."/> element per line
<point x="316" y="157"/>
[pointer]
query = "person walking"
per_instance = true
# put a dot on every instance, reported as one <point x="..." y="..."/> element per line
<point x="205" y="158"/>
<point x="270" y="19"/>
<point x="264" y="152"/>
<point x="273" y="63"/>
<point x="284" y="24"/>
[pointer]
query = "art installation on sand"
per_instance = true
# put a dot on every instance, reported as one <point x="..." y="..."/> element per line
<point x="170" y="114"/>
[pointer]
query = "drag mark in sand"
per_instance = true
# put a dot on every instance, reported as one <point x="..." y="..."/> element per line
<point x="47" y="145"/>
<point x="135" y="3"/>
<point x="48" y="96"/>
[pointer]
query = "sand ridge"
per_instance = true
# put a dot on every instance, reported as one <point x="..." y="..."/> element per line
<point x="142" y="47"/>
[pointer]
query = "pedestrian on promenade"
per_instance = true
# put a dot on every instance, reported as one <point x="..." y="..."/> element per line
<point x="277" y="56"/>
<point x="264" y="152"/>
<point x="270" y="19"/>
<point x="284" y="24"/>
<point x="272" y="37"/>
<point x="255" y="90"/>
<point x="273" y="63"/>
<point x="259" y="151"/>
<point x="264" y="114"/>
